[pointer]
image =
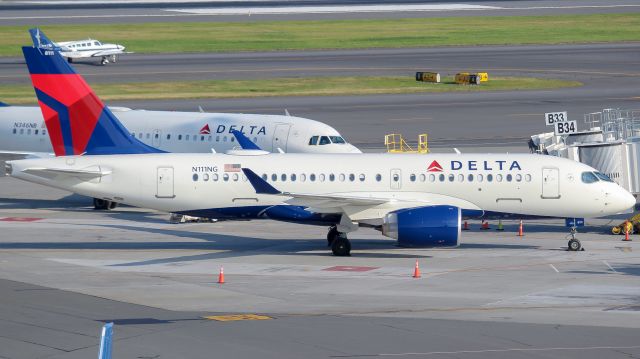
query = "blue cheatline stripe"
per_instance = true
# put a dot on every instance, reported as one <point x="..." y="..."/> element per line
<point x="63" y="115"/>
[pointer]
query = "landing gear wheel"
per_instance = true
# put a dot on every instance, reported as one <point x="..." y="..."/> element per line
<point x="341" y="247"/>
<point x="104" y="61"/>
<point x="331" y="236"/>
<point x="113" y="205"/>
<point x="101" y="204"/>
<point x="574" y="245"/>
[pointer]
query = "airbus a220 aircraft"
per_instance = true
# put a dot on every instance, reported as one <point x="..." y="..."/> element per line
<point x="417" y="199"/>
<point x="80" y="49"/>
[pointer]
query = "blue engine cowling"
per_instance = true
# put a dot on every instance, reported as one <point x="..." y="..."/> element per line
<point x="433" y="226"/>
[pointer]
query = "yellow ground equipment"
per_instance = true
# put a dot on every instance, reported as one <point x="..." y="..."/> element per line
<point x="632" y="225"/>
<point x="396" y="144"/>
<point x="428" y="77"/>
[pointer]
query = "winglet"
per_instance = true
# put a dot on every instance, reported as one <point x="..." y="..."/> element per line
<point x="41" y="41"/>
<point x="261" y="186"/>
<point x="244" y="141"/>
<point x="105" y="341"/>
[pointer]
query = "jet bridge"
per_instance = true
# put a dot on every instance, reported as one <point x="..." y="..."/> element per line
<point x="610" y="143"/>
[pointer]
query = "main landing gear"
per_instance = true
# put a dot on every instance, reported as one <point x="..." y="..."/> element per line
<point x="574" y="244"/>
<point x="339" y="243"/>
<point x="103" y="205"/>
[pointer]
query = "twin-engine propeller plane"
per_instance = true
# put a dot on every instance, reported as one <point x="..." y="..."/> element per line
<point x="88" y="49"/>
<point x="419" y="200"/>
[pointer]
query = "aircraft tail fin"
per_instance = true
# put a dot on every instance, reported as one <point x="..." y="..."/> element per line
<point x="105" y="341"/>
<point x="3" y="104"/>
<point x="41" y="41"/>
<point x="77" y="121"/>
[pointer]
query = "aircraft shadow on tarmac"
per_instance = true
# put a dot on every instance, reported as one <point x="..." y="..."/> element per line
<point x="626" y="269"/>
<point x="71" y="202"/>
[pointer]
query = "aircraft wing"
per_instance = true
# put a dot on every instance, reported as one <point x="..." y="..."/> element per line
<point x="358" y="205"/>
<point x="109" y="53"/>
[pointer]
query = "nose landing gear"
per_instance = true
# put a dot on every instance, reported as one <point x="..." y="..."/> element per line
<point x="574" y="244"/>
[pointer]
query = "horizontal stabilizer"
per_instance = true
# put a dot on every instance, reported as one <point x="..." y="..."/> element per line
<point x="86" y="174"/>
<point x="244" y="141"/>
<point x="261" y="186"/>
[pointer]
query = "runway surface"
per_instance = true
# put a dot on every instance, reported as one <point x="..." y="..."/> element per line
<point x="67" y="269"/>
<point x="609" y="71"/>
<point x="17" y="12"/>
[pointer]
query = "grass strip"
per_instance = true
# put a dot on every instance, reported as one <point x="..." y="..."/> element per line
<point x="341" y="34"/>
<point x="313" y="86"/>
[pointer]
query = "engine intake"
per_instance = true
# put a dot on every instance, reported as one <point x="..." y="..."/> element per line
<point x="433" y="226"/>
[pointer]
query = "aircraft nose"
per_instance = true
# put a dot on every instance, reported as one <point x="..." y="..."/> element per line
<point x="628" y="200"/>
<point x="353" y="149"/>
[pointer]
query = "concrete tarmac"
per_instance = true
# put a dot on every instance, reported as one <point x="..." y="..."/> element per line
<point x="66" y="269"/>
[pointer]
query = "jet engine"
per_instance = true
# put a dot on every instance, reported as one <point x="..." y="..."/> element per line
<point x="433" y="226"/>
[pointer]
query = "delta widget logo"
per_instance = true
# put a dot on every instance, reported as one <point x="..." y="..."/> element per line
<point x="434" y="167"/>
<point x="205" y="130"/>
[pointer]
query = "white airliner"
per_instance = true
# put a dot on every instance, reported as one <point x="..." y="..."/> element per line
<point x="417" y="199"/>
<point x="80" y="49"/>
<point x="23" y="130"/>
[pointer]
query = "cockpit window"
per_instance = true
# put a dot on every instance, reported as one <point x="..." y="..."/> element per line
<point x="337" y="139"/>
<point x="324" y="140"/>
<point x="589" y="177"/>
<point x="603" y="177"/>
<point x="313" y="141"/>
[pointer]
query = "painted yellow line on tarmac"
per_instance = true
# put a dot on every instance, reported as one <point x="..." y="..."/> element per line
<point x="237" y="317"/>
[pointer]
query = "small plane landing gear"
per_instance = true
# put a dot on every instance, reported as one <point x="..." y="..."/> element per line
<point x="574" y="244"/>
<point x="104" y="61"/>
<point x="341" y="246"/>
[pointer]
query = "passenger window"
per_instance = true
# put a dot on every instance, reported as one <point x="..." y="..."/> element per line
<point x="168" y="137"/>
<point x="361" y="177"/>
<point x="293" y="177"/>
<point x="470" y="178"/>
<point x="489" y="177"/>
<point x="214" y="177"/>
<point x="157" y="135"/>
<point x="186" y="138"/>
<point x="498" y="178"/>
<point x="224" y="139"/>
<point x="95" y="43"/>
<point x="352" y="177"/>
<point x="480" y="177"/>
<point x="179" y="137"/>
<point x="451" y="178"/>
<point x="274" y="177"/>
<point x="509" y="178"/>
<point x="225" y="177"/>
<point x="313" y="140"/>
<point x="195" y="138"/>
<point x="22" y="131"/>
<point x="28" y="131"/>
<point x="35" y="132"/>
<point x="378" y="177"/>
<point x="210" y="138"/>
<point x="217" y="138"/>
<point x="205" y="177"/>
<point x="412" y="178"/>
<point x="148" y="136"/>
<point x="44" y="132"/>
<point x="14" y="131"/>
<point x="324" y="140"/>
<point x="321" y="177"/>
<point x="140" y="135"/>
<point x="232" y="139"/>
<point x="201" y="138"/>
<point x="342" y="177"/>
<point x="423" y="177"/>
<point x="527" y="178"/>
<point x="589" y="177"/>
<point x="264" y="176"/>
<point x="283" y="177"/>
<point x="432" y="178"/>
<point x="460" y="178"/>
<point x="441" y="177"/>
<point x="235" y="177"/>
<point x="332" y="177"/>
<point x="303" y="177"/>
<point x="312" y="177"/>
<point x="195" y="177"/>
<point x="518" y="177"/>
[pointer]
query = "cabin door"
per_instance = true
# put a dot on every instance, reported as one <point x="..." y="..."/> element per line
<point x="396" y="178"/>
<point x="280" y="136"/>
<point x="165" y="182"/>
<point x="550" y="183"/>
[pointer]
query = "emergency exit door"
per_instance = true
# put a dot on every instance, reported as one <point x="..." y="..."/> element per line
<point x="165" y="183"/>
<point x="550" y="183"/>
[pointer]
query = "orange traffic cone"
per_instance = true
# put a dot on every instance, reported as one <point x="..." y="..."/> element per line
<point x="221" y="276"/>
<point x="520" y="230"/>
<point x="626" y="231"/>
<point x="466" y="226"/>
<point x="416" y="271"/>
<point x="485" y="225"/>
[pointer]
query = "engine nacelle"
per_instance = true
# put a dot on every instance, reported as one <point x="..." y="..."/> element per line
<point x="433" y="226"/>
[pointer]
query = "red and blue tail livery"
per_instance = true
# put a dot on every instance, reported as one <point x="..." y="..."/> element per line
<point x="77" y="121"/>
